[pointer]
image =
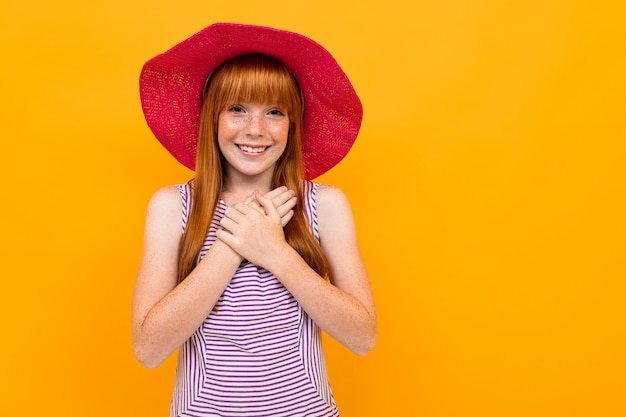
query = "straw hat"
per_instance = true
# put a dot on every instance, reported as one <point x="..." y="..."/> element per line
<point x="171" y="86"/>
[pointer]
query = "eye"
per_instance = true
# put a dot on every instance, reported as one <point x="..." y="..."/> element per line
<point x="236" y="109"/>
<point x="276" y="112"/>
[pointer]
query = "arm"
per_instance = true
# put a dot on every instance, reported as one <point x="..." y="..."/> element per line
<point x="165" y="314"/>
<point x="338" y="238"/>
<point x="344" y="307"/>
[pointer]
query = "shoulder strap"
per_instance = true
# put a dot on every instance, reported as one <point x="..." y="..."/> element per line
<point x="309" y="189"/>
<point x="186" y="191"/>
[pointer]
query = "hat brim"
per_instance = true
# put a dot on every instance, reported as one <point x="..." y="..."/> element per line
<point x="171" y="86"/>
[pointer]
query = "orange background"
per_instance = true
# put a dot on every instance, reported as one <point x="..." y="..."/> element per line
<point x="488" y="185"/>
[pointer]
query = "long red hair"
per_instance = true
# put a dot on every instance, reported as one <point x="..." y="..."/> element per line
<point x="254" y="79"/>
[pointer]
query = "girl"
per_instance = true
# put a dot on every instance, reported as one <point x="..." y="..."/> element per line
<point x="266" y="258"/>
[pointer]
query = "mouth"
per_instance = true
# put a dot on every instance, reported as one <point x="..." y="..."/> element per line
<point x="252" y="149"/>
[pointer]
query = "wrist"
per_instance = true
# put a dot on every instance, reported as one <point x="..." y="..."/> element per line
<point x="221" y="249"/>
<point x="284" y="262"/>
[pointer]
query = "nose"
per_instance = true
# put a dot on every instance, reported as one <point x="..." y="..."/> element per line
<point x="255" y="125"/>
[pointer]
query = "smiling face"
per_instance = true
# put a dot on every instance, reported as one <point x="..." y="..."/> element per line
<point x="251" y="138"/>
<point x="251" y="124"/>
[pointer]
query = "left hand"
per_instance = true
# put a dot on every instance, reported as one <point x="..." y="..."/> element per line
<point x="254" y="233"/>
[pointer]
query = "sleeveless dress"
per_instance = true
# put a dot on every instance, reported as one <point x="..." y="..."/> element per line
<point x="258" y="353"/>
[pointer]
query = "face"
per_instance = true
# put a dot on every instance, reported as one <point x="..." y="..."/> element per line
<point x="252" y="137"/>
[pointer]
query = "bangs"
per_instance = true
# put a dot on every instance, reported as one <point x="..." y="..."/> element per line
<point x="255" y="79"/>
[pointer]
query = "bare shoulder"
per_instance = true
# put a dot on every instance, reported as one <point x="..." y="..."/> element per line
<point x="165" y="198"/>
<point x="334" y="214"/>
<point x="331" y="199"/>
<point x="164" y="213"/>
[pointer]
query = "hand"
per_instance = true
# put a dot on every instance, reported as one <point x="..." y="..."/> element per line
<point x="283" y="199"/>
<point x="254" y="229"/>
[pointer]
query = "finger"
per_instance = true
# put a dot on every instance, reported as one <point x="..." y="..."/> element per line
<point x="237" y="212"/>
<point x="243" y="209"/>
<point x="268" y="206"/>
<point x="255" y="204"/>
<point x="244" y="214"/>
<point x="275" y="192"/>
<point x="286" y="217"/>
<point x="287" y="206"/>
<point x="283" y="197"/>
<point x="228" y="224"/>
<point x="280" y="196"/>
<point x="251" y="201"/>
<point x="225" y="237"/>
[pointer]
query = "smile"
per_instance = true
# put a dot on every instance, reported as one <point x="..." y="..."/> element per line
<point x="252" y="149"/>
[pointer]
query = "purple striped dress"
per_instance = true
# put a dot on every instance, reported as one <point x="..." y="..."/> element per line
<point x="258" y="353"/>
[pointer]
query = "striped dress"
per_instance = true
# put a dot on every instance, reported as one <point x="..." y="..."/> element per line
<point x="258" y="353"/>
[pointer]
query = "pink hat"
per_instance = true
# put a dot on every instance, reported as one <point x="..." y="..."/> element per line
<point x="171" y="86"/>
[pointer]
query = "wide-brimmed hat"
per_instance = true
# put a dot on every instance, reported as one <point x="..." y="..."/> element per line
<point x="171" y="86"/>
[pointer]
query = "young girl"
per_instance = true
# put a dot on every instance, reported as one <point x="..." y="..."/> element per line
<point x="244" y="264"/>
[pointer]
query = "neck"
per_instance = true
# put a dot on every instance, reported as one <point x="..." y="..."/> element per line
<point x="239" y="187"/>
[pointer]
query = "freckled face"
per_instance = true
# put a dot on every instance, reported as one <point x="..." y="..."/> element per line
<point x="252" y="137"/>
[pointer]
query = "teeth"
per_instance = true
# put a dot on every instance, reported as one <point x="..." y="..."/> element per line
<point x="252" y="149"/>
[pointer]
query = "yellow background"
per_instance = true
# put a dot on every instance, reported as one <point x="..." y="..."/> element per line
<point x="488" y="185"/>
